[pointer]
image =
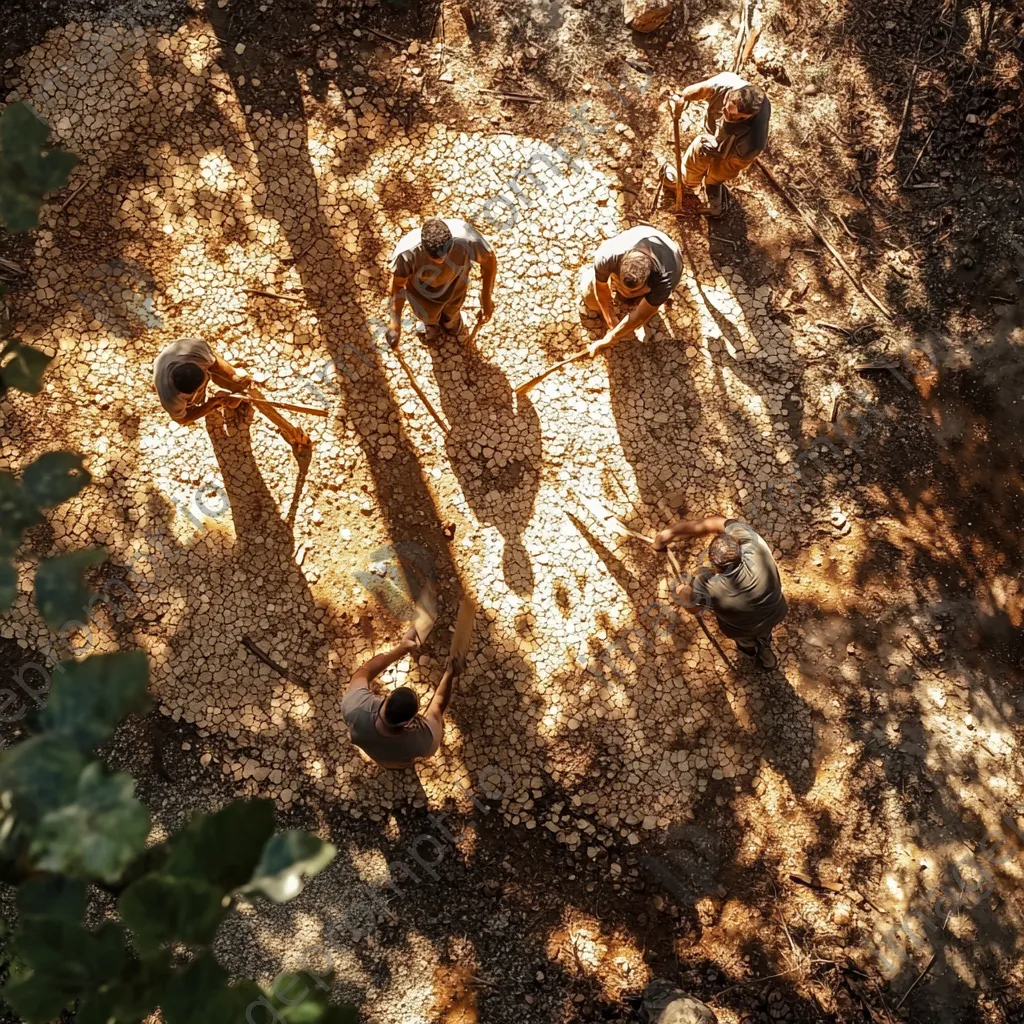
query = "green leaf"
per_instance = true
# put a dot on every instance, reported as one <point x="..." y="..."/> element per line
<point x="55" y="477"/>
<point x="88" y="698"/>
<point x="161" y="909"/>
<point x="99" y="834"/>
<point x="285" y="862"/>
<point x="35" y="998"/>
<point x="61" y="591"/>
<point x="17" y="514"/>
<point x="21" y="130"/>
<point x="131" y="997"/>
<point x="41" y="774"/>
<point x="29" y="166"/>
<point x="223" y="848"/>
<point x="52" y="896"/>
<point x="69" y="953"/>
<point x="8" y="585"/>
<point x="191" y="996"/>
<point x="24" y="370"/>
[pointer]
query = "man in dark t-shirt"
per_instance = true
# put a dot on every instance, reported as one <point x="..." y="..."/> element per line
<point x="740" y="584"/>
<point x="642" y="266"/>
<point x="735" y="134"/>
<point x="390" y="730"/>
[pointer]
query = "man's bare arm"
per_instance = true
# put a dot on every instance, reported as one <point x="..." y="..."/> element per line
<point x="638" y="316"/>
<point x="372" y="668"/>
<point x="684" y="591"/>
<point x="689" y="528"/>
<point x="442" y="696"/>
<point x="603" y="291"/>
<point x="197" y="412"/>
<point x="226" y="376"/>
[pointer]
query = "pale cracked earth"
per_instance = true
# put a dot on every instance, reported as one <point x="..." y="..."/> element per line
<point x="201" y="201"/>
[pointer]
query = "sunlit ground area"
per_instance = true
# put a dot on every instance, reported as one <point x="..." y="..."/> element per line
<point x="593" y="712"/>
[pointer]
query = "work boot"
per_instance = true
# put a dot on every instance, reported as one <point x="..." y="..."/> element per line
<point x="432" y="334"/>
<point x="716" y="199"/>
<point x="766" y="656"/>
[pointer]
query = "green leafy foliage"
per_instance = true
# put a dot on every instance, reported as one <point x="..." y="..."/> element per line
<point x="161" y="909"/>
<point x="30" y="166"/>
<point x="286" y="861"/>
<point x="8" y="585"/>
<point x="22" y="367"/>
<point x="88" y="698"/>
<point x="223" y="848"/>
<point x="17" y="514"/>
<point x="66" y="820"/>
<point x="99" y="834"/>
<point x="61" y="591"/>
<point x="39" y="775"/>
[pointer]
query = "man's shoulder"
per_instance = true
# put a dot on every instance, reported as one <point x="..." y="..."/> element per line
<point x="182" y="347"/>
<point x="357" y="703"/>
<point x="407" y="244"/>
<point x="726" y="80"/>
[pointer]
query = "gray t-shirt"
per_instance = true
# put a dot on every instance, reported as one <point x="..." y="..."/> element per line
<point x="745" y="140"/>
<point x="432" y="286"/>
<point x="416" y="739"/>
<point x="748" y="600"/>
<point x="184" y="350"/>
<point x="657" y="246"/>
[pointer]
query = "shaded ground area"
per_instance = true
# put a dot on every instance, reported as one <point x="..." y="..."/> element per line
<point x="645" y="808"/>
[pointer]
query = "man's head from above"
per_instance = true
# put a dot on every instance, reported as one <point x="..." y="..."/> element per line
<point x="436" y="239"/>
<point x="401" y="706"/>
<point x="724" y="553"/>
<point x="743" y="103"/>
<point x="188" y="378"/>
<point x="635" y="269"/>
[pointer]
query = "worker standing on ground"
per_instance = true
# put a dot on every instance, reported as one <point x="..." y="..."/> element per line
<point x="390" y="730"/>
<point x="642" y="266"/>
<point x="183" y="370"/>
<point x="740" y="584"/>
<point x="735" y="134"/>
<point x="430" y="268"/>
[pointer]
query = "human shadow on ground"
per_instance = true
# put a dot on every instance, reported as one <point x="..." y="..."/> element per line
<point x="494" y="448"/>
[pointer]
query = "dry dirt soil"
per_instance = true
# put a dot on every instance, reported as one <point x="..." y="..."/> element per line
<point x="613" y="802"/>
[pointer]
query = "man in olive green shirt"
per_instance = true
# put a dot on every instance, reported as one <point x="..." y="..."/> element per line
<point x="740" y="584"/>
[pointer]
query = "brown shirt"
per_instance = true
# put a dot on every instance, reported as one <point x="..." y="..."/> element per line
<point x="413" y="740"/>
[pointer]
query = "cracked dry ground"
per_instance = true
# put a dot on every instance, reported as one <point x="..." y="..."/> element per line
<point x="600" y="716"/>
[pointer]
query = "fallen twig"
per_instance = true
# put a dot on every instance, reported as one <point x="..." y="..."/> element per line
<point x="272" y="295"/>
<point x="517" y="97"/>
<point x="64" y="205"/>
<point x="251" y="646"/>
<point x="906" y="108"/>
<point x="384" y="35"/>
<point x="809" y="221"/>
<point x="906" y="180"/>
<point x="927" y="968"/>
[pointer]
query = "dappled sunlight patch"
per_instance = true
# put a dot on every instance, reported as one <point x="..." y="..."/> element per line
<point x="582" y="946"/>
